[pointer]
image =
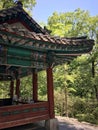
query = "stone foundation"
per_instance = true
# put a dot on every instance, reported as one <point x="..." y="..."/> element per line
<point x="52" y="124"/>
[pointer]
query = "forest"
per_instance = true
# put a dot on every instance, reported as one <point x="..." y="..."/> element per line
<point x="75" y="82"/>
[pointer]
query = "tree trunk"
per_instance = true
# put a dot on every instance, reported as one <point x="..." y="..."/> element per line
<point x="93" y="75"/>
<point x="66" y="101"/>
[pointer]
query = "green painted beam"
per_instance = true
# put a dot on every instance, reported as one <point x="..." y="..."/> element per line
<point x="45" y="50"/>
<point x="47" y="45"/>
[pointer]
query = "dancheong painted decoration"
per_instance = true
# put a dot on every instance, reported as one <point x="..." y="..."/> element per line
<point x="25" y="49"/>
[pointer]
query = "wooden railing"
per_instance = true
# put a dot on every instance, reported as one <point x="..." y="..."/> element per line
<point x="23" y="114"/>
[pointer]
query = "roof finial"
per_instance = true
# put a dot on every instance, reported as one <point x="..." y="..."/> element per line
<point x="19" y="3"/>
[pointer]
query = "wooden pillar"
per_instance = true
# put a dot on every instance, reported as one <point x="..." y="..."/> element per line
<point x="50" y="92"/>
<point x="11" y="89"/>
<point x="17" y="87"/>
<point x="35" y="86"/>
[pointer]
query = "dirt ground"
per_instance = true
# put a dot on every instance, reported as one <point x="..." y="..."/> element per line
<point x="73" y="124"/>
<point x="64" y="124"/>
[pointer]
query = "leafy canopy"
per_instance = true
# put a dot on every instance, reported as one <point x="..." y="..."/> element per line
<point x="75" y="23"/>
<point x="28" y="5"/>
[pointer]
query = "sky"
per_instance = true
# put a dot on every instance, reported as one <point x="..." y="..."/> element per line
<point x="45" y="8"/>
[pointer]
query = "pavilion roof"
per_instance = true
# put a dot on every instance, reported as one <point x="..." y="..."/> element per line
<point x="18" y="14"/>
<point x="22" y="50"/>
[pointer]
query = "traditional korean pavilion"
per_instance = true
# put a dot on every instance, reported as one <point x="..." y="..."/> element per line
<point x="25" y="49"/>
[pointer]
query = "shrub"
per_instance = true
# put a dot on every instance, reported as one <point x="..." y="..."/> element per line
<point x="86" y="117"/>
<point x="79" y="106"/>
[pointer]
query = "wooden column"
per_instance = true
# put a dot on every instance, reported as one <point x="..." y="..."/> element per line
<point x="17" y="87"/>
<point x="35" y="86"/>
<point x="11" y="88"/>
<point x="50" y="92"/>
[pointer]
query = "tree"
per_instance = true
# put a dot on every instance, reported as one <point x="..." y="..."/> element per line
<point x="63" y="81"/>
<point x="95" y="74"/>
<point x="81" y="67"/>
<point x="75" y="23"/>
<point x="42" y="85"/>
<point x="28" y="5"/>
<point x="84" y="69"/>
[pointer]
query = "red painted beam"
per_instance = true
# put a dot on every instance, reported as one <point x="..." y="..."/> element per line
<point x="11" y="89"/>
<point x="50" y="92"/>
<point x="23" y="121"/>
<point x="35" y="86"/>
<point x="16" y="115"/>
<point x="17" y="88"/>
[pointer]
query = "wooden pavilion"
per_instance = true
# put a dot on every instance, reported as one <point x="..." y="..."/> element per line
<point x="25" y="49"/>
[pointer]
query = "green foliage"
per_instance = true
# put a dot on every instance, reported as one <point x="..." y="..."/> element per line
<point x="95" y="113"/>
<point x="26" y="87"/>
<point x="73" y="83"/>
<point x="42" y="85"/>
<point x="86" y="117"/>
<point x="77" y="78"/>
<point x="79" y="106"/>
<point x="82" y="69"/>
<point x="86" y="110"/>
<point x="6" y="3"/>
<point x="9" y="3"/>
<point x="59" y="102"/>
<point x="75" y="23"/>
<point x="4" y="89"/>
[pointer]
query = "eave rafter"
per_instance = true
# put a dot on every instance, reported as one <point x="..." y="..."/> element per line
<point x="37" y="42"/>
<point x="23" y="51"/>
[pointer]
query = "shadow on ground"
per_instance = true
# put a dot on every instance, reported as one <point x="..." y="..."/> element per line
<point x="66" y="126"/>
<point x="27" y="127"/>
